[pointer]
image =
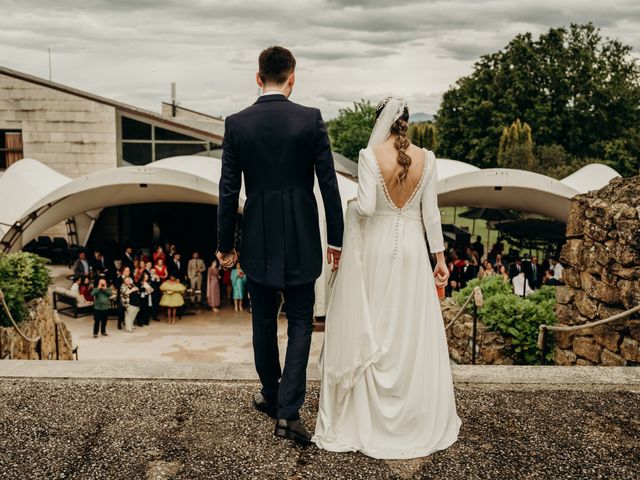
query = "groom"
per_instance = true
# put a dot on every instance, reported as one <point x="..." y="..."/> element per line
<point x="278" y="145"/>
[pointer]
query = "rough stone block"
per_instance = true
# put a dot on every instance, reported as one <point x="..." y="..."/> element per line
<point x="565" y="294"/>
<point x="563" y="356"/>
<point x="607" y="337"/>
<point x="563" y="339"/>
<point x="630" y="349"/>
<point x="594" y="231"/>
<point x="634" y="329"/>
<point x="575" y="221"/>
<point x="585" y="305"/>
<point x="605" y="311"/>
<point x="586" y="281"/>
<point x="628" y="231"/>
<point x="584" y="362"/>
<point x="571" y="277"/>
<point x="605" y="293"/>
<point x="569" y="315"/>
<point x="629" y="292"/>
<point x="571" y="252"/>
<point x="611" y="359"/>
<point x="626" y="273"/>
<point x="588" y="348"/>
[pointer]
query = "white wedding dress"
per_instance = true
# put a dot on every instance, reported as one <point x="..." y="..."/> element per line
<point x="387" y="389"/>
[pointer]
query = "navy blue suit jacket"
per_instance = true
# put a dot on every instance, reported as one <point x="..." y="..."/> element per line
<point x="278" y="145"/>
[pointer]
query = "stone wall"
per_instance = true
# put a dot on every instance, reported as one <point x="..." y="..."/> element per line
<point x="491" y="347"/>
<point x="602" y="277"/>
<point x="41" y="322"/>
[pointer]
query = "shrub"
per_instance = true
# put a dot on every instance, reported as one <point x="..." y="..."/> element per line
<point x="23" y="277"/>
<point x="513" y="316"/>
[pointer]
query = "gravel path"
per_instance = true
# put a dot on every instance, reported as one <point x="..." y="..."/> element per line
<point x="127" y="429"/>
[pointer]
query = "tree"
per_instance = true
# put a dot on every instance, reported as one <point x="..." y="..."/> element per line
<point x="424" y="135"/>
<point x="575" y="89"/>
<point x="350" y="131"/>
<point x="516" y="147"/>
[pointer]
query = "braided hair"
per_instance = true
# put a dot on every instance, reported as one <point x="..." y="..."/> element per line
<point x="401" y="143"/>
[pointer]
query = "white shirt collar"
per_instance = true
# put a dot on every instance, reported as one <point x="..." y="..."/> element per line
<point x="271" y="92"/>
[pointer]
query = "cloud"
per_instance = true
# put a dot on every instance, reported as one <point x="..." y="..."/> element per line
<point x="132" y="49"/>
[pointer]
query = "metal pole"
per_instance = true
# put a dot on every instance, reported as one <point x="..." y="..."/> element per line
<point x="473" y="334"/>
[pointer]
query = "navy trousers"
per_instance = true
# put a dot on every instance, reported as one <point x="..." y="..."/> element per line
<point x="284" y="388"/>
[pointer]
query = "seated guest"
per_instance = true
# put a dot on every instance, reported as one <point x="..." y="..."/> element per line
<point x="503" y="272"/>
<point x="521" y="285"/>
<point x="498" y="262"/>
<point x="81" y="267"/>
<point x="85" y="289"/>
<point x="550" y="279"/>
<point x="487" y="270"/>
<point x="557" y="269"/>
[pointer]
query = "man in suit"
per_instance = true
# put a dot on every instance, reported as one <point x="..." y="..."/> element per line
<point x="278" y="145"/>
<point x="177" y="268"/>
<point x="81" y="267"/>
<point x="515" y="268"/>
<point x="127" y="258"/>
<point x="534" y="272"/>
<point x="195" y="269"/>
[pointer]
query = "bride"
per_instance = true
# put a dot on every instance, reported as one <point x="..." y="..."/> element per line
<point x="387" y="389"/>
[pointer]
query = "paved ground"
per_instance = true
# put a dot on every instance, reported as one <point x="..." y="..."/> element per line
<point x="193" y="429"/>
<point x="204" y="337"/>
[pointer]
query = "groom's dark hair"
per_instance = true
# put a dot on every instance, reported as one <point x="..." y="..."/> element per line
<point x="275" y="65"/>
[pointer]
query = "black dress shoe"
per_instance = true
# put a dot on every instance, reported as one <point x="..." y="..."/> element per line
<point x="260" y="403"/>
<point x="293" y="430"/>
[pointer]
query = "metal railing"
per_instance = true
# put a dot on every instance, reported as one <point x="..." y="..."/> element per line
<point x="476" y="296"/>
<point x="542" y="329"/>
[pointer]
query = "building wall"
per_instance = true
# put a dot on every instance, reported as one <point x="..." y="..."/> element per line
<point x="72" y="135"/>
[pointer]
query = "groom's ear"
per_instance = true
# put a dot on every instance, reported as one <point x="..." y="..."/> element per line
<point x="259" y="80"/>
<point x="292" y="79"/>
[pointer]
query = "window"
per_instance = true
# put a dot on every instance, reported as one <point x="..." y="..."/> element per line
<point x="143" y="143"/>
<point x="10" y="148"/>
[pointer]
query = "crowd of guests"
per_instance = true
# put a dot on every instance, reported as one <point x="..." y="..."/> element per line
<point x="526" y="273"/>
<point x="140" y="285"/>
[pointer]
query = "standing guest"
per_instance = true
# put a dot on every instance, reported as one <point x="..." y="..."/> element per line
<point x="226" y="283"/>
<point x="172" y="250"/>
<point x="100" y="264"/>
<point x="159" y="254"/>
<point x="101" y="304"/>
<point x="148" y="266"/>
<point x="81" y="268"/>
<point x="557" y="269"/>
<point x="130" y="298"/>
<point x="146" y="299"/>
<point x="478" y="246"/>
<point x="155" y="281"/>
<point x="139" y="270"/>
<point x="177" y="267"/>
<point x="534" y="273"/>
<point x="161" y="269"/>
<point x="127" y="258"/>
<point x="238" y="282"/>
<point x="516" y="268"/>
<point x="118" y="282"/>
<point x="195" y="269"/>
<point x="172" y="291"/>
<point x="213" y="286"/>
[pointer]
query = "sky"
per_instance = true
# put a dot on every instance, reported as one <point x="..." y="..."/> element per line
<point x="131" y="50"/>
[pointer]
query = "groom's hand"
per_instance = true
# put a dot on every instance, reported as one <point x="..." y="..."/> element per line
<point x="333" y="256"/>
<point x="227" y="260"/>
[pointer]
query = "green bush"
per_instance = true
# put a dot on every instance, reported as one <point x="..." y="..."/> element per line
<point x="513" y="316"/>
<point x="23" y="277"/>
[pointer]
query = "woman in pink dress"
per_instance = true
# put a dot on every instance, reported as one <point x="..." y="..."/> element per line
<point x="213" y="286"/>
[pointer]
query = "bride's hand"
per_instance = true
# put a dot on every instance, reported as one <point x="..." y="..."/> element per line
<point x="441" y="274"/>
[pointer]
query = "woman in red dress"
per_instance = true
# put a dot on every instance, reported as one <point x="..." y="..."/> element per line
<point x="161" y="269"/>
<point x="159" y="254"/>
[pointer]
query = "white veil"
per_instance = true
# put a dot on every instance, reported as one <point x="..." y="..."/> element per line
<point x="392" y="110"/>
